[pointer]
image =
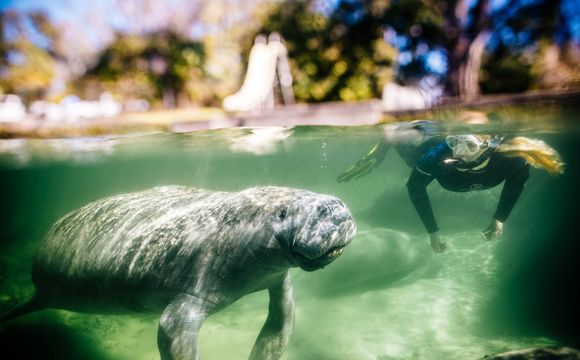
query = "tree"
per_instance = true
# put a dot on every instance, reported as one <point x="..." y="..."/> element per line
<point x="472" y="34"/>
<point x="153" y="66"/>
<point x="465" y="48"/>
<point x="354" y="31"/>
<point x="26" y="68"/>
<point x="335" y="54"/>
<point x="452" y="27"/>
<point x="532" y="47"/>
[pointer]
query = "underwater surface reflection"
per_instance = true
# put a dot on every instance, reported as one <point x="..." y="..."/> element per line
<point x="387" y="297"/>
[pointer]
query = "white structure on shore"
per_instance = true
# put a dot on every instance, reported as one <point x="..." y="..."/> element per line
<point x="12" y="109"/>
<point x="72" y="108"/>
<point x="267" y="68"/>
<point x="423" y="95"/>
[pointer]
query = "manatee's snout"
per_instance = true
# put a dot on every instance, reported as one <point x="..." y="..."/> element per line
<point x="328" y="230"/>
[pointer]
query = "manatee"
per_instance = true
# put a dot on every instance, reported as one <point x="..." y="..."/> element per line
<point x="187" y="253"/>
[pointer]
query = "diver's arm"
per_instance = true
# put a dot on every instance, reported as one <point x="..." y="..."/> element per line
<point x="436" y="243"/>
<point x="512" y="189"/>
<point x="493" y="231"/>
<point x="417" y="187"/>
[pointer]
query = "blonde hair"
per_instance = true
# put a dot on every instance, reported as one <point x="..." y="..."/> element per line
<point x="536" y="152"/>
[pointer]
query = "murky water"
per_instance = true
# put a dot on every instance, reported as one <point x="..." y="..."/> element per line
<point x="387" y="297"/>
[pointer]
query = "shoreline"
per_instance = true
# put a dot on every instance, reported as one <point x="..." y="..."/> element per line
<point x="366" y="112"/>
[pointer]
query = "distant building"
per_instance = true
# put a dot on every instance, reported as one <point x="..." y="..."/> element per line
<point x="72" y="108"/>
<point x="12" y="109"/>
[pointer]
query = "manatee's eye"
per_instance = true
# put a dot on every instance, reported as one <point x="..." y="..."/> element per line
<point x="322" y="210"/>
<point x="282" y="214"/>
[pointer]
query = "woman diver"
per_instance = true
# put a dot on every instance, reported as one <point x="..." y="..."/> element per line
<point x="463" y="163"/>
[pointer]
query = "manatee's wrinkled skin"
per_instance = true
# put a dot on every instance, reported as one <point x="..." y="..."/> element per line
<point x="189" y="253"/>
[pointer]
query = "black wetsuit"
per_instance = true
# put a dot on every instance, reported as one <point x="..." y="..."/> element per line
<point x="428" y="160"/>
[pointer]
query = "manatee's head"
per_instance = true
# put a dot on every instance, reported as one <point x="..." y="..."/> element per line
<point x="312" y="229"/>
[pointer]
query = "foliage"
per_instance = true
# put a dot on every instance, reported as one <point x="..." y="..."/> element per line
<point x="26" y="68"/>
<point x="504" y="71"/>
<point x="338" y="50"/>
<point x="150" y="66"/>
<point x="530" y="49"/>
<point x="336" y="56"/>
<point x="510" y="63"/>
<point x="417" y="27"/>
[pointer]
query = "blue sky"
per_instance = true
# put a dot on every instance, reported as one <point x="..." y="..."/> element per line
<point x="75" y="11"/>
<point x="58" y="9"/>
<point x="78" y="11"/>
<point x="69" y="10"/>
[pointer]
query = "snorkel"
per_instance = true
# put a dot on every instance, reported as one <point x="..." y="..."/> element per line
<point x="470" y="151"/>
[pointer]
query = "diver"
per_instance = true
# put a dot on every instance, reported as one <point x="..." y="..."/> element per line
<point x="463" y="163"/>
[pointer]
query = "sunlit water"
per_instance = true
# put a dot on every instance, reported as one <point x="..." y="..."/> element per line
<point x="387" y="297"/>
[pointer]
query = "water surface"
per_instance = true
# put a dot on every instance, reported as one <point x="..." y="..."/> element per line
<point x="387" y="297"/>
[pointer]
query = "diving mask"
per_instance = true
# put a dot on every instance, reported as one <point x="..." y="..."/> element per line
<point x="466" y="147"/>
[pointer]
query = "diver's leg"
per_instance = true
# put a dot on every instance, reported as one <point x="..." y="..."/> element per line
<point x="365" y="165"/>
<point x="275" y="333"/>
<point x="177" y="335"/>
<point x="409" y="153"/>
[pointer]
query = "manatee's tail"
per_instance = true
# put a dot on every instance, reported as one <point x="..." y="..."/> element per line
<point x="34" y="303"/>
<point x="365" y="165"/>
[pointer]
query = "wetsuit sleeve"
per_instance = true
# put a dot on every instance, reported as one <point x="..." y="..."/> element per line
<point x="512" y="189"/>
<point x="417" y="187"/>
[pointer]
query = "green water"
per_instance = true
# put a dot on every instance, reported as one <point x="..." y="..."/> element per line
<point x="387" y="297"/>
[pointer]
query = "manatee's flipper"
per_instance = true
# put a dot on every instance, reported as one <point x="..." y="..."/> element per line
<point x="365" y="165"/>
<point x="34" y="303"/>
<point x="277" y="329"/>
<point x="177" y="335"/>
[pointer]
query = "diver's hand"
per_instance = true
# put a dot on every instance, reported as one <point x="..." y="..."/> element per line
<point x="436" y="243"/>
<point x="493" y="231"/>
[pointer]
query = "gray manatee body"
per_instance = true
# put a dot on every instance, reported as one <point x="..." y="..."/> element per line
<point x="188" y="253"/>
